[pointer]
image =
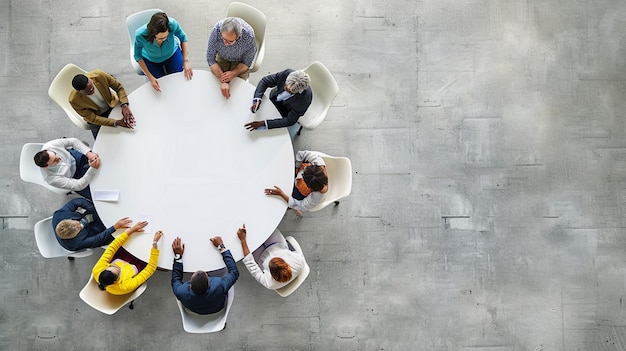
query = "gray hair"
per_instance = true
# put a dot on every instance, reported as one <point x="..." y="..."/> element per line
<point x="230" y="25"/>
<point x="297" y="81"/>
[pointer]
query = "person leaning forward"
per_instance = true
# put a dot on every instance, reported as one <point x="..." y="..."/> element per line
<point x="230" y="51"/>
<point x="291" y="95"/>
<point x="95" y="95"/>
<point x="68" y="163"/>
<point x="203" y="294"/>
<point x="78" y="226"/>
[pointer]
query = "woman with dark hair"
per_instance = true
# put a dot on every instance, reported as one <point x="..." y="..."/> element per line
<point x="161" y="49"/>
<point x="310" y="184"/>
<point x="118" y="272"/>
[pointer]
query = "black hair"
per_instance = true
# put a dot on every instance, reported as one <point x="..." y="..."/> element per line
<point x="80" y="82"/>
<point x="199" y="282"/>
<point x="105" y="278"/>
<point x="41" y="158"/>
<point x="314" y="177"/>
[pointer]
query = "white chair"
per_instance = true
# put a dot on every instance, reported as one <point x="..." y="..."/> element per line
<point x="133" y="22"/>
<point x="294" y="284"/>
<point x="325" y="89"/>
<point x="60" y="89"/>
<point x="30" y="172"/>
<point x="257" y="20"/>
<point x="339" y="171"/>
<point x="47" y="243"/>
<point x="105" y="302"/>
<point x="206" y="323"/>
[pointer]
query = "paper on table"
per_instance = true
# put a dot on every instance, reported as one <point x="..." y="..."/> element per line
<point x="106" y="195"/>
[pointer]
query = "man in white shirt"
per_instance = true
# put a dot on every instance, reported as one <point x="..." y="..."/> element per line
<point x="68" y="163"/>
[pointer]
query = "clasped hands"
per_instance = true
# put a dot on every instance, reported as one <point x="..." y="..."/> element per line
<point x="128" y="120"/>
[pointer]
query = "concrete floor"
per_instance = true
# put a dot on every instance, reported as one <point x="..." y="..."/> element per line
<point x="489" y="185"/>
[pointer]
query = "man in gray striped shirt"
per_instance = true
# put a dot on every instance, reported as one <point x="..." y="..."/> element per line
<point x="230" y="51"/>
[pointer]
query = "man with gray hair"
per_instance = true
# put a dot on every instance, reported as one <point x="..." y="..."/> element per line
<point x="291" y="95"/>
<point x="230" y="51"/>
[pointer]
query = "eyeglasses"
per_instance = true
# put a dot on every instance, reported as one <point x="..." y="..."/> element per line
<point x="229" y="42"/>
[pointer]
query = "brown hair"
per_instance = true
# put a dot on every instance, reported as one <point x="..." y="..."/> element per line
<point x="159" y="23"/>
<point x="280" y="270"/>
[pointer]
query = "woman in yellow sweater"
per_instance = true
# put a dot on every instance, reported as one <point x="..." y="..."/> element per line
<point x="120" y="277"/>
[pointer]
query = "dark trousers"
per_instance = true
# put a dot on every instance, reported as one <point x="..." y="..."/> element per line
<point x="82" y="165"/>
<point x="95" y="128"/>
<point x="171" y="65"/>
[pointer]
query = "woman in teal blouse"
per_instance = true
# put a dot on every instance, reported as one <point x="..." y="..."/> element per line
<point x="161" y="49"/>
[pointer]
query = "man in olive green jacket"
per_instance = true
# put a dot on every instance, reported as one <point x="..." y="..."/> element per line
<point x="95" y="95"/>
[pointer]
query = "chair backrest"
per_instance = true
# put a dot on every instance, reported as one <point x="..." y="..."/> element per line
<point x="339" y="171"/>
<point x="47" y="243"/>
<point x="325" y="89"/>
<point x="60" y="89"/>
<point x="30" y="172"/>
<point x="206" y="323"/>
<point x="294" y="284"/>
<point x="133" y="22"/>
<point x="257" y="20"/>
<point x="105" y="302"/>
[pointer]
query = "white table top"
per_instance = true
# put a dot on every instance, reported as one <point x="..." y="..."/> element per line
<point x="192" y="170"/>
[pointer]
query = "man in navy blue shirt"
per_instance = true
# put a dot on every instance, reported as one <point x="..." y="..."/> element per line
<point x="203" y="294"/>
<point x="78" y="226"/>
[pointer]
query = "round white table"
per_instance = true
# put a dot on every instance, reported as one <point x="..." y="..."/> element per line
<point x="192" y="170"/>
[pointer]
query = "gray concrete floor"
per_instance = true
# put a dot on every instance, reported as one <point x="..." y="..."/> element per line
<point x="487" y="141"/>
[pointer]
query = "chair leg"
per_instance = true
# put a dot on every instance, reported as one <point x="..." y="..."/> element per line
<point x="131" y="306"/>
<point x="70" y="258"/>
<point x="336" y="203"/>
<point x="299" y="130"/>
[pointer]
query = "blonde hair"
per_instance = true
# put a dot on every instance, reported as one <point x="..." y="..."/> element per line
<point x="68" y="228"/>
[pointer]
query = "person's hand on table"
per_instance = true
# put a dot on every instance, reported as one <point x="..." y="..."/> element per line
<point x="137" y="228"/>
<point x="155" y="84"/>
<point x="227" y="76"/>
<point x="177" y="246"/>
<point x="275" y="191"/>
<point x="127" y="114"/>
<point x="226" y="90"/>
<point x="122" y="223"/>
<point x="241" y="233"/>
<point x="127" y="117"/>
<point x="255" y="105"/>
<point x="156" y="238"/>
<point x="94" y="159"/>
<point x="123" y="123"/>
<point x="217" y="241"/>
<point x="254" y="125"/>
<point x="188" y="72"/>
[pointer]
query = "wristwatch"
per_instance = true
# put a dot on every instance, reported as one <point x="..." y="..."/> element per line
<point x="221" y="246"/>
<point x="177" y="256"/>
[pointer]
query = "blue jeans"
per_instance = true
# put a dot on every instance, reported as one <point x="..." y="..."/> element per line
<point x="171" y="65"/>
<point x="82" y="165"/>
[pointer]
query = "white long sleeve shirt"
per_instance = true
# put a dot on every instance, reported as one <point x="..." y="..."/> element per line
<point x="294" y="259"/>
<point x="60" y="174"/>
